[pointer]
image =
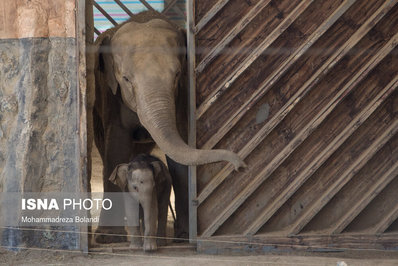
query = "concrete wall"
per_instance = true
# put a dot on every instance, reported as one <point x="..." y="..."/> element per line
<point x="40" y="143"/>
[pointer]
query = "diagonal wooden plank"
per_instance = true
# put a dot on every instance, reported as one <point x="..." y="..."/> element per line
<point x="300" y="138"/>
<point x="125" y="8"/>
<point x="317" y="205"/>
<point x="232" y="34"/>
<point x="210" y="14"/>
<point x="252" y="57"/>
<point x="296" y="98"/>
<point x="279" y="72"/>
<point x="100" y="9"/>
<point x="321" y="158"/>
<point x="365" y="200"/>
<point x="383" y="225"/>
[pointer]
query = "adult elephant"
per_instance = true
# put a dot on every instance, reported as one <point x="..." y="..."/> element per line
<point x="141" y="94"/>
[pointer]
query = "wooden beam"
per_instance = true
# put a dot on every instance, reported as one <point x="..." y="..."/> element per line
<point x="232" y="34"/>
<point x="383" y="225"/>
<point x="274" y="77"/>
<point x="321" y="158"/>
<point x="304" y="133"/>
<point x="265" y="243"/>
<point x="84" y="12"/>
<point x="317" y="205"/>
<point x="365" y="200"/>
<point x="125" y="9"/>
<point x="210" y="14"/>
<point x="252" y="57"/>
<point x="296" y="98"/>
<point x="100" y="9"/>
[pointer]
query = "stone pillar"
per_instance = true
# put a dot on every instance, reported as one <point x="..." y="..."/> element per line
<point x="41" y="143"/>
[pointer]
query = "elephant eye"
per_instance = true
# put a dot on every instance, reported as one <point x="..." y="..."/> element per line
<point x="142" y="182"/>
<point x="126" y="79"/>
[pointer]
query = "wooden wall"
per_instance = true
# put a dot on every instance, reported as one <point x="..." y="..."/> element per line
<point x="306" y="92"/>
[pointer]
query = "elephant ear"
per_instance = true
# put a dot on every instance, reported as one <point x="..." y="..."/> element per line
<point x="106" y="64"/>
<point x="119" y="176"/>
<point x="161" y="173"/>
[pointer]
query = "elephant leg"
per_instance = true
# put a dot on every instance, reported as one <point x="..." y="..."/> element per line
<point x="163" y="205"/>
<point x="150" y="208"/>
<point x="132" y="209"/>
<point x="117" y="149"/>
<point x="179" y="175"/>
<point x="99" y="134"/>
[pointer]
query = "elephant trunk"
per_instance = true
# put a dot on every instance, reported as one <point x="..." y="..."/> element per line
<point x="157" y="112"/>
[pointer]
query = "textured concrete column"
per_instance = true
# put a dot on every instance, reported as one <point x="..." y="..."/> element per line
<point x="40" y="102"/>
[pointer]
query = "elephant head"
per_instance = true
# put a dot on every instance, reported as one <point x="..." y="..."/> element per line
<point x="145" y="60"/>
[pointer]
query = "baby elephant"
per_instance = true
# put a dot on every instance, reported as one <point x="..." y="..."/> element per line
<point x="147" y="180"/>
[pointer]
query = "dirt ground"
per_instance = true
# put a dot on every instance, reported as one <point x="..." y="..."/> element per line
<point x="175" y="256"/>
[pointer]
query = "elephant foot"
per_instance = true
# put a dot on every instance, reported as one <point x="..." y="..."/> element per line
<point x="180" y="237"/>
<point x="135" y="245"/>
<point x="161" y="242"/>
<point x="150" y="245"/>
<point x="136" y="242"/>
<point x="107" y="234"/>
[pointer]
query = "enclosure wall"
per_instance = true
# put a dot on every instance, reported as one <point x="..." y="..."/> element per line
<point x="41" y="147"/>
<point x="306" y="92"/>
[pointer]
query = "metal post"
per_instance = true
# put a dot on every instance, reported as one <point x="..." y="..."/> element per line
<point x="192" y="120"/>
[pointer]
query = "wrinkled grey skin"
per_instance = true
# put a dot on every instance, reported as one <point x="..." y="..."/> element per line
<point x="141" y="94"/>
<point x="146" y="180"/>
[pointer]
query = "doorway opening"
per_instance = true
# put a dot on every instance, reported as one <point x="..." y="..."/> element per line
<point x="107" y="14"/>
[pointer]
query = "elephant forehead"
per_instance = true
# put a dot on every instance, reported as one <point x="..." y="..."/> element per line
<point x="141" y="174"/>
<point x="154" y="32"/>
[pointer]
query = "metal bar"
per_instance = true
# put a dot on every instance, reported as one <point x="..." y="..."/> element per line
<point x="179" y="11"/>
<point x="243" y="22"/>
<point x="97" y="31"/>
<point x="191" y="120"/>
<point x="317" y="205"/>
<point x="100" y="9"/>
<point x="300" y="138"/>
<point x="274" y="77"/>
<point x="145" y="3"/>
<point x="296" y="98"/>
<point x="252" y="57"/>
<point x="210" y="14"/>
<point x="125" y="9"/>
<point x="169" y="6"/>
<point x="324" y="155"/>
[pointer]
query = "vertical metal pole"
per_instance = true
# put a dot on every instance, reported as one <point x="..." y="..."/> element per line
<point x="192" y="119"/>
